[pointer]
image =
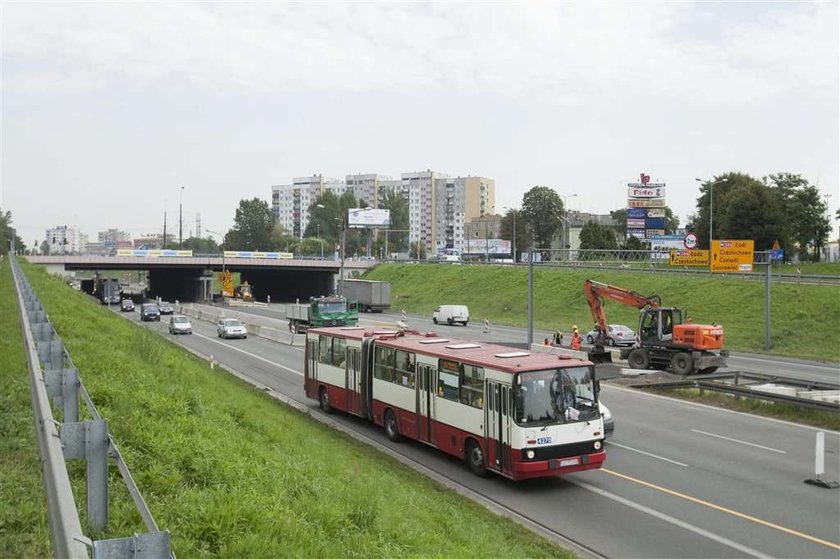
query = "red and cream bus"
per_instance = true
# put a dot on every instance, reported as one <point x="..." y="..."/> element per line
<point x="520" y="414"/>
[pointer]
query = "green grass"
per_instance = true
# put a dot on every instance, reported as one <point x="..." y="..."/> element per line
<point x="232" y="473"/>
<point x="804" y="318"/>
<point x="23" y="507"/>
<point x="795" y="414"/>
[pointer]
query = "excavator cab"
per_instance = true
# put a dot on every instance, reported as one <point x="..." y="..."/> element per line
<point x="656" y="325"/>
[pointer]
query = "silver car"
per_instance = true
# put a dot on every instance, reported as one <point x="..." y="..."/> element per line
<point x="180" y="324"/>
<point x="231" y="328"/>
<point x="618" y="335"/>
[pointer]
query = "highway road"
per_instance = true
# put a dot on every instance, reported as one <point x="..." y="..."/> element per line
<point x="681" y="480"/>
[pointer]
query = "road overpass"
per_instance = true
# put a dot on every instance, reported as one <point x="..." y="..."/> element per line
<point x="186" y="278"/>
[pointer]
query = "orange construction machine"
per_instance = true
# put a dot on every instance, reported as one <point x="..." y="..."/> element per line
<point x="664" y="339"/>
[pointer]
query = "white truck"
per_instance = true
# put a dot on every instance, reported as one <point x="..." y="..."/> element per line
<point x="370" y="295"/>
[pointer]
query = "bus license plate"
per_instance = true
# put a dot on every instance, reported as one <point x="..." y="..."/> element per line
<point x="569" y="462"/>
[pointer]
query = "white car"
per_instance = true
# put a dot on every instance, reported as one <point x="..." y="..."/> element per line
<point x="231" y="328"/>
<point x="180" y="324"/>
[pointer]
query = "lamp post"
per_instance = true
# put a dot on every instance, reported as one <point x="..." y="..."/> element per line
<point x="181" y="219"/>
<point x="711" y="207"/>
<point x="567" y="229"/>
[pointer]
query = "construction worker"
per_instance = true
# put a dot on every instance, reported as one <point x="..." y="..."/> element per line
<point x="575" y="338"/>
<point x="557" y="340"/>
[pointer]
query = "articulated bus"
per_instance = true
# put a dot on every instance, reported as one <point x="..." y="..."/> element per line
<point x="520" y="414"/>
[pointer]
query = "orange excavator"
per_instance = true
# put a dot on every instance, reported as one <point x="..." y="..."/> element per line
<point x="664" y="339"/>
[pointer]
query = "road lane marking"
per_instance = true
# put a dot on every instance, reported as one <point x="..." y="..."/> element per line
<point x="611" y="443"/>
<point x="249" y="354"/>
<point x="671" y="520"/>
<point x="738" y="441"/>
<point x="723" y="509"/>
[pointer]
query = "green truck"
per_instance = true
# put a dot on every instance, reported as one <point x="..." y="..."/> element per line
<point x="332" y="310"/>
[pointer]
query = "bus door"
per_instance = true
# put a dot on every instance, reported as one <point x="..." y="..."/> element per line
<point x="426" y="383"/>
<point x="497" y="426"/>
<point x="311" y="370"/>
<point x="353" y="380"/>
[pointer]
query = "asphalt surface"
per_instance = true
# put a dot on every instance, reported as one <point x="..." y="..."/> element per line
<point x="681" y="479"/>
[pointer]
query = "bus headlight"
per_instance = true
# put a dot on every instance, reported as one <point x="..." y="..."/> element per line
<point x="530" y="454"/>
<point x="597" y="445"/>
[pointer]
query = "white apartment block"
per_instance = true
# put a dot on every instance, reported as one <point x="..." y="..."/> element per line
<point x="439" y="207"/>
<point x="66" y="240"/>
<point x="112" y="237"/>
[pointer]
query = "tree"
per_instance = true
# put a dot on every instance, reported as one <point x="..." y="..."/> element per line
<point x="715" y="191"/>
<point x="633" y="243"/>
<point x="252" y="226"/>
<point x="594" y="236"/>
<point x="542" y="212"/>
<point x="752" y="211"/>
<point x="400" y="223"/>
<point x="201" y="246"/>
<point x="807" y="221"/>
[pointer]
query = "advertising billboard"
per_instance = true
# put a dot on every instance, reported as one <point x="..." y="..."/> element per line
<point x="636" y="213"/>
<point x="655" y="212"/>
<point x="366" y="217"/>
<point x="649" y="191"/>
<point x="646" y="202"/>
<point x="487" y="246"/>
<point x="638" y="233"/>
<point x="636" y="223"/>
<point x="655" y="223"/>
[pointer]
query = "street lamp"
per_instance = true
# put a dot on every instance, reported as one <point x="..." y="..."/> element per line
<point x="513" y="212"/>
<point x="181" y="219"/>
<point x="711" y="207"/>
<point x="567" y="227"/>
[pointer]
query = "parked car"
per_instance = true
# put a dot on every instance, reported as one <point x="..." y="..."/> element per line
<point x="609" y="422"/>
<point x="618" y="335"/>
<point x="149" y="312"/>
<point x="127" y="305"/>
<point x="231" y="328"/>
<point x="165" y="308"/>
<point x="451" y="314"/>
<point x="180" y="324"/>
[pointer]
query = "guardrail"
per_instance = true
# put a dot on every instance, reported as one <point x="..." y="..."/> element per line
<point x="808" y="394"/>
<point x="52" y="374"/>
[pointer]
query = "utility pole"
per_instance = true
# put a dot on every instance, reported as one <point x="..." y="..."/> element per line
<point x="181" y="219"/>
<point x="164" y="230"/>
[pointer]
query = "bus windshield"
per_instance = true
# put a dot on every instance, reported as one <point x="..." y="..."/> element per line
<point x="555" y="396"/>
<point x="332" y="307"/>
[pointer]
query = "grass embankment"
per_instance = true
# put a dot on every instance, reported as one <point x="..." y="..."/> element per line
<point x="232" y="473"/>
<point x="23" y="504"/>
<point x="804" y="318"/>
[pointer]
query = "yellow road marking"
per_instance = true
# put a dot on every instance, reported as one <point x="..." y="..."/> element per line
<point x="724" y="509"/>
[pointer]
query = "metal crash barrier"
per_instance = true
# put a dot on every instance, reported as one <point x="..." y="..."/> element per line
<point x="52" y="375"/>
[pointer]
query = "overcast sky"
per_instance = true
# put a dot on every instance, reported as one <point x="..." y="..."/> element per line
<point x="109" y="108"/>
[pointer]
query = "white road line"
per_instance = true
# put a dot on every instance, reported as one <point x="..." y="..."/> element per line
<point x="249" y="354"/>
<point x="738" y="441"/>
<point x="676" y="522"/>
<point x="611" y="443"/>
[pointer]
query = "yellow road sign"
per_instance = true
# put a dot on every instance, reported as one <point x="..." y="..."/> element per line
<point x="689" y="257"/>
<point x="732" y="255"/>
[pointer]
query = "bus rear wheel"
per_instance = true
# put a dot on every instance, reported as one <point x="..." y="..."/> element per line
<point x="392" y="430"/>
<point x="475" y="458"/>
<point x="324" y="400"/>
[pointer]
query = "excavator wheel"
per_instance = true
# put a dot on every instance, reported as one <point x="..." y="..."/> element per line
<point x="638" y="359"/>
<point x="681" y="363"/>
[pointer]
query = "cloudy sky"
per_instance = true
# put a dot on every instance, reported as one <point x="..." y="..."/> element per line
<point x="109" y="108"/>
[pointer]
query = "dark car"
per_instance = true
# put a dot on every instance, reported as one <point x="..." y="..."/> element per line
<point x="149" y="312"/>
<point x="165" y="308"/>
<point x="127" y="305"/>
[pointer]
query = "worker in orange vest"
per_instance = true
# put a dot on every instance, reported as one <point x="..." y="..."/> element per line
<point x="575" y="338"/>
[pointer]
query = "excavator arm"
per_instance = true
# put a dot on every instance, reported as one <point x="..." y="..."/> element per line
<point x="596" y="292"/>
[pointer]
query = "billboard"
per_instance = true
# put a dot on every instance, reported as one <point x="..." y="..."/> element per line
<point x="649" y="191"/>
<point x="655" y="223"/>
<point x="366" y="217"/>
<point x="638" y="233"/>
<point x="653" y="233"/>
<point x="646" y="202"/>
<point x="656" y="212"/>
<point x="487" y="246"/>
<point x="636" y="213"/>
<point x="636" y="223"/>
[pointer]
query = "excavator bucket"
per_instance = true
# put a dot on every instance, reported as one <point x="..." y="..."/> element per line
<point x="599" y="355"/>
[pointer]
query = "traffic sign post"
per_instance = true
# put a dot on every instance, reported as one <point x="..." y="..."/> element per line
<point x="689" y="258"/>
<point x="732" y="255"/>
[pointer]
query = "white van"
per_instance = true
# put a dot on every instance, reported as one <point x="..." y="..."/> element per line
<point x="451" y="314"/>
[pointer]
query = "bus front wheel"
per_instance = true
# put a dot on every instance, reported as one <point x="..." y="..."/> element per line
<point x="475" y="458"/>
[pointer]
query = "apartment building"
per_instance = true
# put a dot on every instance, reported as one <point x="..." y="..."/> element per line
<point x="113" y="237"/>
<point x="439" y="206"/>
<point x="66" y="240"/>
